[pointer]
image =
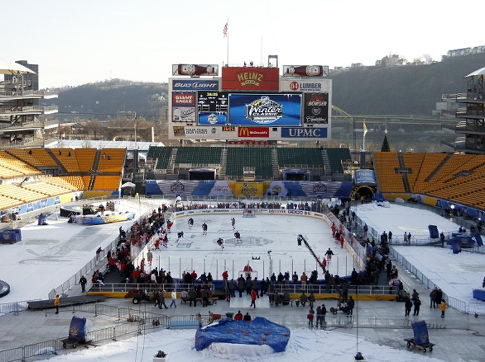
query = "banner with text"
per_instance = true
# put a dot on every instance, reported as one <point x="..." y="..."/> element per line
<point x="250" y="78"/>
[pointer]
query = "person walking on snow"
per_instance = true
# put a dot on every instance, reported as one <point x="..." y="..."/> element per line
<point x="443" y="308"/>
<point x="254" y="295"/>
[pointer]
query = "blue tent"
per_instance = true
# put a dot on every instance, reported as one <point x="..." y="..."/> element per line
<point x="260" y="331"/>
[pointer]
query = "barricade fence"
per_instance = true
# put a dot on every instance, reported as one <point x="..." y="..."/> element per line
<point x="461" y="305"/>
<point x="291" y="288"/>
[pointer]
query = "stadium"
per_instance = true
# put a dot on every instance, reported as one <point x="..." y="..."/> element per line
<point x="251" y="146"/>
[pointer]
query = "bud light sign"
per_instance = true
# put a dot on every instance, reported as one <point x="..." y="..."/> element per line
<point x="303" y="132"/>
<point x="195" y="84"/>
<point x="265" y="109"/>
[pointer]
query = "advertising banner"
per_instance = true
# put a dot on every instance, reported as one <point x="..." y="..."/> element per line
<point x="195" y="84"/>
<point x="195" y="69"/>
<point x="265" y="109"/>
<point x="212" y="118"/>
<point x="246" y="189"/>
<point x="250" y="132"/>
<point x="303" y="132"/>
<point x="250" y="78"/>
<point x="183" y="99"/>
<point x="305" y="71"/>
<point x="221" y="188"/>
<point x="312" y="85"/>
<point x="183" y="114"/>
<point x="277" y="188"/>
<point x="315" y="108"/>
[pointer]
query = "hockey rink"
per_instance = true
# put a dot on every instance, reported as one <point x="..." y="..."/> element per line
<point x="268" y="244"/>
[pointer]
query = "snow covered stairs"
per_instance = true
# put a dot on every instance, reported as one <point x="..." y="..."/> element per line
<point x="245" y="302"/>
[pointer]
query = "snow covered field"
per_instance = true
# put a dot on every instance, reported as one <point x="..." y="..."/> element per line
<point x="304" y="345"/>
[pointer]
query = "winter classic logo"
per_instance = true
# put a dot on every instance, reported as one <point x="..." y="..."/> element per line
<point x="264" y="111"/>
<point x="248" y="190"/>
<point x="319" y="189"/>
<point x="177" y="187"/>
<point x="212" y="118"/>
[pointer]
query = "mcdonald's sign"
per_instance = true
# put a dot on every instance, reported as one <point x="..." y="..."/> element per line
<point x="251" y="132"/>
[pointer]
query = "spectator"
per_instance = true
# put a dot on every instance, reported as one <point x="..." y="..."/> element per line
<point x="56" y="303"/>
<point x="310" y="318"/>
<point x="247" y="317"/>
<point x="417" y="304"/>
<point x="238" y="316"/>
<point x="443" y="308"/>
<point x="407" y="307"/>
<point x="174" y="299"/>
<point x="254" y="294"/>
<point x="83" y="282"/>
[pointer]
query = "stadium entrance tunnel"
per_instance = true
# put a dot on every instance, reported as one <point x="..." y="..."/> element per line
<point x="202" y="174"/>
<point x="296" y="175"/>
<point x="362" y="190"/>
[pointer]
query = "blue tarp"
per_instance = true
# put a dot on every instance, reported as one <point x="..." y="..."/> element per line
<point x="260" y="331"/>
<point x="433" y="231"/>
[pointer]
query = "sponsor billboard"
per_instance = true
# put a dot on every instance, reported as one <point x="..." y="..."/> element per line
<point x="303" y="132"/>
<point x="241" y="189"/>
<point x="305" y="71"/>
<point x="250" y="78"/>
<point x="185" y="99"/>
<point x="265" y="109"/>
<point x="195" y="84"/>
<point x="251" y="132"/>
<point x="315" y="108"/>
<point x="312" y="85"/>
<point x="212" y="118"/>
<point x="183" y="114"/>
<point x="195" y="69"/>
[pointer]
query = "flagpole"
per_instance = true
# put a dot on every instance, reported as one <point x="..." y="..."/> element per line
<point x="364" y="128"/>
<point x="227" y="42"/>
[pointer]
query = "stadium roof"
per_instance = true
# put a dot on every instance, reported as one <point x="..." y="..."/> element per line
<point x="13" y="68"/>
<point x="480" y="71"/>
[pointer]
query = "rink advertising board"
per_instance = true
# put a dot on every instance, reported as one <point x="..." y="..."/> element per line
<point x="265" y="109"/>
<point x="315" y="108"/>
<point x="250" y="78"/>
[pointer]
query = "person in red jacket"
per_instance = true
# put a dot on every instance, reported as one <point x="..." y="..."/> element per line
<point x="310" y="318"/>
<point x="254" y="295"/>
<point x="238" y="316"/>
<point x="194" y="276"/>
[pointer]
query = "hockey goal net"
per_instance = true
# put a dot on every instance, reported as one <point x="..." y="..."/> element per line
<point x="249" y="213"/>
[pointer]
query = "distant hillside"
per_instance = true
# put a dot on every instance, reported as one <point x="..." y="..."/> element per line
<point x="399" y="90"/>
<point x="105" y="99"/>
<point x="404" y="90"/>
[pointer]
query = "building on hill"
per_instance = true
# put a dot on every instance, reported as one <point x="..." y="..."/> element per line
<point x="470" y="128"/>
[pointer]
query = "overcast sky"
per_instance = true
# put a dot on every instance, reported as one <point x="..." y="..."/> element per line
<point x="77" y="42"/>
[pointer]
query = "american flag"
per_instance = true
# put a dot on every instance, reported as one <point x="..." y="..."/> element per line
<point x="224" y="31"/>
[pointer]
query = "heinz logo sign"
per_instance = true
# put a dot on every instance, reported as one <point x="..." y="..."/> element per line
<point x="304" y="132"/>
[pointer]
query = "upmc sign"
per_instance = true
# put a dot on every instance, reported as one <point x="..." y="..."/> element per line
<point x="251" y="132"/>
<point x="304" y="132"/>
<point x="250" y="78"/>
<point x="195" y="84"/>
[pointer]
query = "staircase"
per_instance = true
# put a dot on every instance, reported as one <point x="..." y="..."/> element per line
<point x="91" y="182"/>
<point x="326" y="163"/>
<point x="404" y="174"/>
<point x="222" y="170"/>
<point x="445" y="160"/>
<point x="59" y="164"/>
<point x="96" y="160"/>
<point x="274" y="163"/>
<point x="171" y="162"/>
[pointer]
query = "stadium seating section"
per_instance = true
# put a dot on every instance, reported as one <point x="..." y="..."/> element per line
<point x="198" y="155"/>
<point x="85" y="158"/>
<point x="300" y="157"/>
<point x="336" y="156"/>
<point x="37" y="157"/>
<point x="259" y="158"/>
<point x="111" y="160"/>
<point x="106" y="182"/>
<point x="385" y="164"/>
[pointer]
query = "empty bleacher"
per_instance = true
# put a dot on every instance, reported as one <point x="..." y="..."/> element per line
<point x="67" y="158"/>
<point x="20" y="193"/>
<point x="259" y="158"/>
<point x="85" y="158"/>
<point x="14" y="164"/>
<point x="47" y="189"/>
<point x="385" y="164"/>
<point x="161" y="156"/>
<point x="336" y="156"/>
<point x="430" y="162"/>
<point x="75" y="181"/>
<point x="198" y="155"/>
<point x="300" y="157"/>
<point x="7" y="202"/>
<point x="102" y="183"/>
<point x="36" y="157"/>
<point x="111" y="160"/>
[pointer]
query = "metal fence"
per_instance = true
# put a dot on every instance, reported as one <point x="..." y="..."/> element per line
<point x="461" y="305"/>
